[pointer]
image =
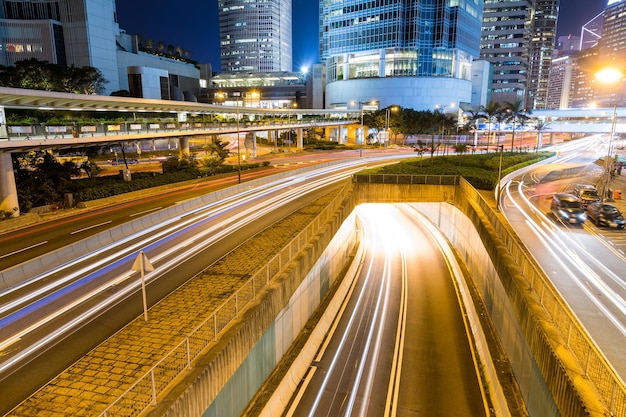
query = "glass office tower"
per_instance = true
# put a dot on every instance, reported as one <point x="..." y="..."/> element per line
<point x="412" y="53"/>
<point x="255" y="36"/>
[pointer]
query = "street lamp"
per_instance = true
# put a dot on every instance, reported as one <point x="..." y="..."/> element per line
<point x="609" y="76"/>
<point x="362" y="104"/>
<point x="442" y="110"/>
<point x="237" y="94"/>
<point x="387" y="113"/>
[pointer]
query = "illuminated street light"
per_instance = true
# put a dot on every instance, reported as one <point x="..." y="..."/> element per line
<point x="362" y="104"/>
<point x="609" y="76"/>
<point x="237" y="94"/>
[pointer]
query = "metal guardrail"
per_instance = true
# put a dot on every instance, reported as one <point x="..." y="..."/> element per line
<point x="406" y="179"/>
<point x="597" y="369"/>
<point x="145" y="391"/>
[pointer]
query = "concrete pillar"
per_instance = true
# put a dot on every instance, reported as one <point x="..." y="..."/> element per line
<point x="300" y="133"/>
<point x="4" y="133"/>
<point x="251" y="142"/>
<point x="8" y="189"/>
<point x="352" y="134"/>
<point x="551" y="138"/>
<point x="183" y="143"/>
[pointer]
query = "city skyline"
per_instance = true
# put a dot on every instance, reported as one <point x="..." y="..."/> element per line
<point x="151" y="18"/>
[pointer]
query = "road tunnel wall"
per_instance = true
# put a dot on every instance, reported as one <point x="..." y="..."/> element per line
<point x="510" y="282"/>
<point x="231" y="373"/>
<point x="548" y="375"/>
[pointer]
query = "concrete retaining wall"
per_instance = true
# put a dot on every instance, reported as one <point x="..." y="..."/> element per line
<point x="549" y="378"/>
<point x="224" y="381"/>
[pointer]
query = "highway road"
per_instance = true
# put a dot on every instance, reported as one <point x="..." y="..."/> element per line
<point x="399" y="346"/>
<point x="585" y="263"/>
<point x="57" y="316"/>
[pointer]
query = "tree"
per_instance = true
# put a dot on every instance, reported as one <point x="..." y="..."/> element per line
<point x="40" y="75"/>
<point x="540" y="127"/>
<point x="514" y="112"/>
<point x="490" y="111"/>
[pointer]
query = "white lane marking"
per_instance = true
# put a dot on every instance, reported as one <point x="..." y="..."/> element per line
<point x="24" y="249"/>
<point x="146" y="211"/>
<point x="91" y="227"/>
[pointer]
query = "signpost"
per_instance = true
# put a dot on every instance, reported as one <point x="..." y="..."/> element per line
<point x="142" y="265"/>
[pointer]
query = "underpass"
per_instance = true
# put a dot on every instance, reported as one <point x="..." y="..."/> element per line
<point x="566" y="394"/>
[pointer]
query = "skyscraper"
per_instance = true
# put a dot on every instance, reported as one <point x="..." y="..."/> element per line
<point x="255" y="36"/>
<point x="66" y="32"/>
<point x="542" y="44"/>
<point x="612" y="51"/>
<point x="505" y="43"/>
<point x="410" y="53"/>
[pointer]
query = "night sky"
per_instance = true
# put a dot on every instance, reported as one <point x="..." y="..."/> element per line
<point x="193" y="25"/>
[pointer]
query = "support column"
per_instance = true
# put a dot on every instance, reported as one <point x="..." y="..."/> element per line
<point x="8" y="189"/>
<point x="183" y="144"/>
<point x="251" y="142"/>
<point x="300" y="135"/>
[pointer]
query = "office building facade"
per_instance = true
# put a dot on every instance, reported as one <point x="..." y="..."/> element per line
<point x="505" y="43"/>
<point x="255" y="36"/>
<point x="415" y="54"/>
<point x="66" y="32"/>
<point x="542" y="44"/>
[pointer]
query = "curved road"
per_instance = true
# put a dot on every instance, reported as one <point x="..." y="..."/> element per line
<point x="399" y="346"/>
<point x="585" y="263"/>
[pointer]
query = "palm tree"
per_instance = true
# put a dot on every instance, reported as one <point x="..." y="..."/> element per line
<point x="472" y="120"/>
<point x="490" y="111"/>
<point x="514" y="112"/>
<point x="540" y="127"/>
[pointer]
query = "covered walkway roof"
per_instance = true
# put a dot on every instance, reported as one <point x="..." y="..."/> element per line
<point x="18" y="98"/>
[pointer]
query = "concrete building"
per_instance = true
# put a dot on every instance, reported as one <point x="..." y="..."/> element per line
<point x="542" y="43"/>
<point x="148" y="75"/>
<point x="66" y="32"/>
<point x="505" y="43"/>
<point x="560" y="82"/>
<point x="255" y="36"/>
<point x="405" y="53"/>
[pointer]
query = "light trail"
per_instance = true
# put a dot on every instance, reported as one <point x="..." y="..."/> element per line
<point x="68" y="292"/>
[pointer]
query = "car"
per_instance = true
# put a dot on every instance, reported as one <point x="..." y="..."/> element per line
<point x="568" y="208"/>
<point x="605" y="214"/>
<point x="586" y="193"/>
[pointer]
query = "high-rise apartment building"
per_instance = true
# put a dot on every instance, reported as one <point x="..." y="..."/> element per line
<point x="66" y="32"/>
<point x="506" y="39"/>
<point x="542" y="44"/>
<point x="255" y="35"/>
<point x="415" y="54"/>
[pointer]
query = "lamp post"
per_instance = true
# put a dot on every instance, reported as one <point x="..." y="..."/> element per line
<point x="442" y="109"/>
<point x="236" y="94"/>
<point x="362" y="104"/>
<point x="609" y="76"/>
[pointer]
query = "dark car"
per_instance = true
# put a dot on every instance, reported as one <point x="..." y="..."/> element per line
<point x="568" y="208"/>
<point x="605" y="214"/>
<point x="586" y="193"/>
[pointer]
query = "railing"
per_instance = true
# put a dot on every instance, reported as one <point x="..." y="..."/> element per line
<point x="46" y="131"/>
<point x="597" y="369"/>
<point x="145" y="391"/>
<point x="407" y="179"/>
